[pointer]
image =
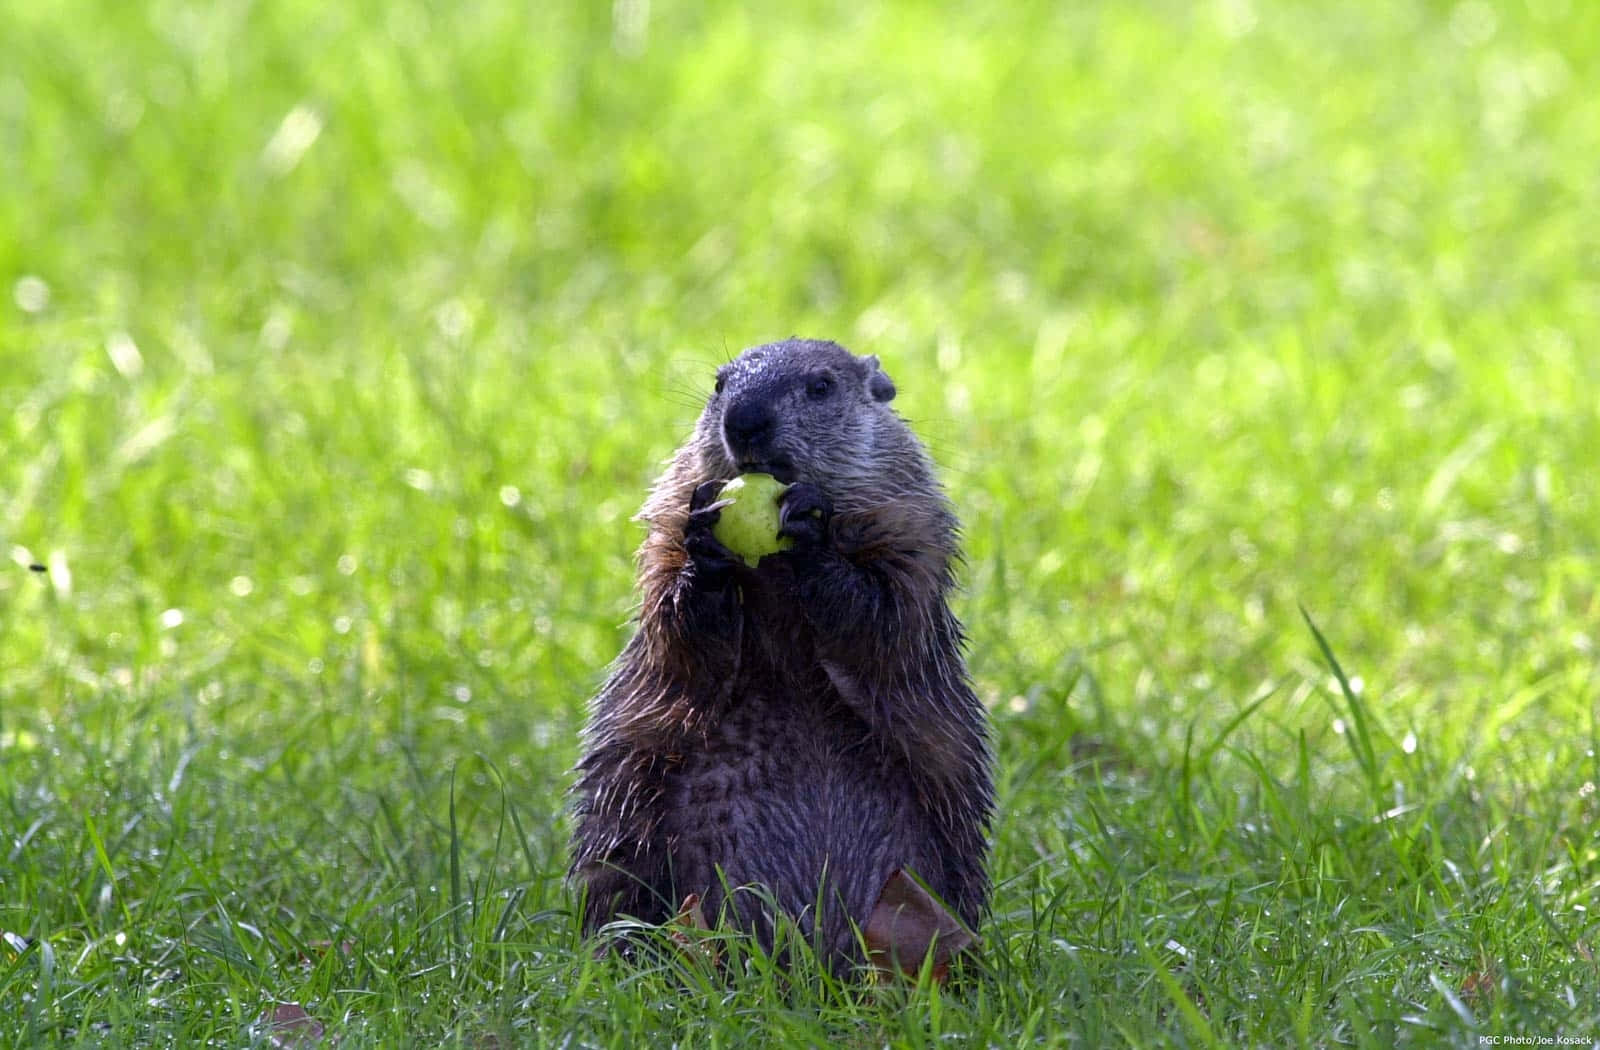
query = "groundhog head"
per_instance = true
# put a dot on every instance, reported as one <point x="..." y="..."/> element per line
<point x="800" y="410"/>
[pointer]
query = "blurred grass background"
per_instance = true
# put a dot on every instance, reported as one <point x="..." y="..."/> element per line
<point x="338" y="345"/>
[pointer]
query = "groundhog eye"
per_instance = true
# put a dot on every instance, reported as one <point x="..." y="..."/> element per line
<point x="722" y="381"/>
<point x="819" y="387"/>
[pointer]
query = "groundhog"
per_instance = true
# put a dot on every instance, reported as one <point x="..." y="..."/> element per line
<point x="801" y="734"/>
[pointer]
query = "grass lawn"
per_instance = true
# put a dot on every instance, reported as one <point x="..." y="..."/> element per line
<point x="339" y="343"/>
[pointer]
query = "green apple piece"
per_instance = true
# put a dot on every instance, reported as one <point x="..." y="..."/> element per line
<point x="749" y="525"/>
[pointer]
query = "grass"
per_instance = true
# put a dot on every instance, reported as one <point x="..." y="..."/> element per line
<point x="338" y="344"/>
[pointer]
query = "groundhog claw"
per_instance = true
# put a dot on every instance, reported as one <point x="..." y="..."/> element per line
<point x="710" y="559"/>
<point x="705" y="494"/>
<point x="803" y="514"/>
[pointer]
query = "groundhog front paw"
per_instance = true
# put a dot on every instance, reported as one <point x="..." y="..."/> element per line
<point x="710" y="561"/>
<point x="803" y="515"/>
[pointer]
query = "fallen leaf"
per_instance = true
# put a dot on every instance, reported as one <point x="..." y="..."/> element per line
<point x="1477" y="986"/>
<point x="692" y="917"/>
<point x="907" y="924"/>
<point x="288" y="1026"/>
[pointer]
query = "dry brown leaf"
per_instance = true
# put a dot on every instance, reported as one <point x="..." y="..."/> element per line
<point x="690" y="913"/>
<point x="906" y="924"/>
<point x="289" y="1027"/>
<point x="1477" y="986"/>
<point x="692" y="917"/>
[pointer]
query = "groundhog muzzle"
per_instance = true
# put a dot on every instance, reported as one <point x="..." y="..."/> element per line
<point x="801" y="733"/>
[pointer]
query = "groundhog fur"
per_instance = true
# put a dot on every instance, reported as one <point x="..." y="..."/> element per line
<point x="797" y="733"/>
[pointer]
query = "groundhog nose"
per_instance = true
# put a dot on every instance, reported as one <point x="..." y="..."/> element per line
<point x="747" y="425"/>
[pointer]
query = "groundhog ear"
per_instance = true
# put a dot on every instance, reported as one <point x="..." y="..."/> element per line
<point x="879" y="385"/>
